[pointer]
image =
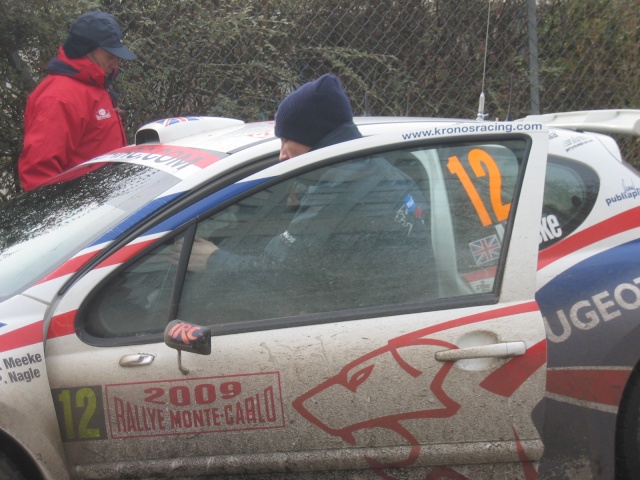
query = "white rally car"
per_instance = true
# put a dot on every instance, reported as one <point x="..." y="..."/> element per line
<point x="489" y="327"/>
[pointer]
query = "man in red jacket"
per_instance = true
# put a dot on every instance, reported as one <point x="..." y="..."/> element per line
<point x="72" y="115"/>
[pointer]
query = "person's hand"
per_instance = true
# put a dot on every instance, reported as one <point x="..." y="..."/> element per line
<point x="200" y="252"/>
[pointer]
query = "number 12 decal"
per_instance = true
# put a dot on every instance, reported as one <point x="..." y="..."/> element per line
<point x="80" y="413"/>
<point x="482" y="164"/>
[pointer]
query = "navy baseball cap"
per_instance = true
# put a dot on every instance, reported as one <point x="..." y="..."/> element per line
<point x="100" y="29"/>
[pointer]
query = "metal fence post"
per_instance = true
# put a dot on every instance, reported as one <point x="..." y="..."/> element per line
<point x="534" y="79"/>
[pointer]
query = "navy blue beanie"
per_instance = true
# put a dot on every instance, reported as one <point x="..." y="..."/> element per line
<point x="313" y="111"/>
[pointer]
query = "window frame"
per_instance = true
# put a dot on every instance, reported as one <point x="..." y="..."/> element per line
<point x="205" y="191"/>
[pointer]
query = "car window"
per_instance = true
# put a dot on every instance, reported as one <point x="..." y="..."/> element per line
<point x="44" y="227"/>
<point x="370" y="234"/>
<point x="481" y="204"/>
<point x="136" y="301"/>
<point x="570" y="192"/>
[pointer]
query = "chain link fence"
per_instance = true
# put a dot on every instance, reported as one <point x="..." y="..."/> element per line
<point x="239" y="58"/>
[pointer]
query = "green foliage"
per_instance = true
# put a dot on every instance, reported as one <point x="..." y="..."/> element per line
<point x="593" y="44"/>
<point x="589" y="58"/>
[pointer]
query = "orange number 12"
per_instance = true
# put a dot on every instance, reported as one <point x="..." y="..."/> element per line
<point x="479" y="160"/>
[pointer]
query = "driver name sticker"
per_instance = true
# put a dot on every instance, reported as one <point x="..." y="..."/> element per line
<point x="22" y="368"/>
<point x="199" y="405"/>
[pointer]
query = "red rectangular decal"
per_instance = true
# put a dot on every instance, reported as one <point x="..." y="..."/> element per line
<point x="196" y="405"/>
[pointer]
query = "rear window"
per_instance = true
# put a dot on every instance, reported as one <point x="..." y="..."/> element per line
<point x="570" y="192"/>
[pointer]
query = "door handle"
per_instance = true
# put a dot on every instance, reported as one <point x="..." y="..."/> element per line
<point x="498" y="350"/>
<point x="137" y="360"/>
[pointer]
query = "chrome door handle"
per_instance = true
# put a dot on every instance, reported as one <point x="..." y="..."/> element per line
<point x="499" y="350"/>
<point x="137" y="360"/>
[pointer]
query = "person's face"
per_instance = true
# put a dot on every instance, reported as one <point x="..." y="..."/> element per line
<point x="105" y="60"/>
<point x="290" y="149"/>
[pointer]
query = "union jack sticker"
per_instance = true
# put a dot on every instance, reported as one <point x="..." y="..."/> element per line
<point x="171" y="121"/>
<point x="485" y="250"/>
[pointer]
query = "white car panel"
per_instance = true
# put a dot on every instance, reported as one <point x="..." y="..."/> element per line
<point x="267" y="393"/>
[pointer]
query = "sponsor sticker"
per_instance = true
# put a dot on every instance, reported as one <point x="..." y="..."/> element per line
<point x="576" y="142"/>
<point x="199" y="405"/>
<point x="627" y="192"/>
<point x="180" y="162"/>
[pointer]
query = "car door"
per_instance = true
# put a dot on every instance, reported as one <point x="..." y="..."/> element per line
<point x="371" y="305"/>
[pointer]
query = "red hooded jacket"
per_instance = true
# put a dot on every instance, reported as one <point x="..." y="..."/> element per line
<point x="70" y="118"/>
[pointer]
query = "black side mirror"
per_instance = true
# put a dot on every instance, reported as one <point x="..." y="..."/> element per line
<point x="188" y="337"/>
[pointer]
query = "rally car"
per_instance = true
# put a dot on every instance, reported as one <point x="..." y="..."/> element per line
<point x="496" y="337"/>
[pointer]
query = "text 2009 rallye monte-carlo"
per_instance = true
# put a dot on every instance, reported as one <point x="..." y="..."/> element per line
<point x="479" y="319"/>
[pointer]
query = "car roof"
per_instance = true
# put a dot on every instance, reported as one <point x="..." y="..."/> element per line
<point x="178" y="138"/>
<point x="227" y="135"/>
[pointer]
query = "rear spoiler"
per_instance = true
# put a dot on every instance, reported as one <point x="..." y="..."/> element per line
<point x="625" y="122"/>
<point x="171" y="129"/>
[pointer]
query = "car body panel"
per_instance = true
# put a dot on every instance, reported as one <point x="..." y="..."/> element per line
<point x="26" y="389"/>
<point x="279" y="377"/>
<point x="588" y="284"/>
<point x="261" y="419"/>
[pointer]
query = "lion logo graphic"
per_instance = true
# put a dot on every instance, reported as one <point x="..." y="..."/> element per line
<point x="397" y="389"/>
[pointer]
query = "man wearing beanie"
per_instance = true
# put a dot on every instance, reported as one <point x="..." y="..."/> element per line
<point x="316" y="115"/>
<point x="72" y="115"/>
<point x="359" y="219"/>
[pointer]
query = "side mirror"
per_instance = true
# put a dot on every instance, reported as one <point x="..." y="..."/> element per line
<point x="188" y="337"/>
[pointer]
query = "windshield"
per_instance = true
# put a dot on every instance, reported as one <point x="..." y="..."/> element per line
<point x="44" y="227"/>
